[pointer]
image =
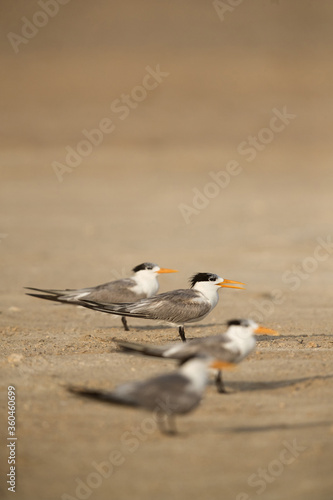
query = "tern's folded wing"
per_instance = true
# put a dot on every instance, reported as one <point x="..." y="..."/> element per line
<point x="178" y="307"/>
<point x="112" y="292"/>
<point x="169" y="394"/>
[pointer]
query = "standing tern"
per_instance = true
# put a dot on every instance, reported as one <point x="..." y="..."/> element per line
<point x="167" y="395"/>
<point x="141" y="285"/>
<point x="232" y="346"/>
<point x="177" y="307"/>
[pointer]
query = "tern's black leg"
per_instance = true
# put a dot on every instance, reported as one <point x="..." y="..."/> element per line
<point x="124" y="322"/>
<point x="219" y="383"/>
<point x="182" y="333"/>
<point x="172" y="425"/>
<point x="167" y="424"/>
<point x="161" y="422"/>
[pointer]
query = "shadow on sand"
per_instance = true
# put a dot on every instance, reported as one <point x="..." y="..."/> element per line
<point x="245" y="386"/>
<point x="275" y="427"/>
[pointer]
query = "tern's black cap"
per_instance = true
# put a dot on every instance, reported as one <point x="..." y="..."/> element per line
<point x="238" y="322"/>
<point x="203" y="277"/>
<point x="144" y="266"/>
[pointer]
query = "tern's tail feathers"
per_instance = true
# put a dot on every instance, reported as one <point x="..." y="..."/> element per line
<point x="45" y="296"/>
<point x="56" y="295"/>
<point x="122" y="309"/>
<point x="100" y="395"/>
<point x="49" y="292"/>
<point x="147" y="350"/>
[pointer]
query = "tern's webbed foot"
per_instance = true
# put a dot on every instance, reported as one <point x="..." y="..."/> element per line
<point x="167" y="425"/>
<point x="221" y="389"/>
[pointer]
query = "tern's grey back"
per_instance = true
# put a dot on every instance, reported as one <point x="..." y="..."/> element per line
<point x="176" y="307"/>
<point x="171" y="394"/>
<point x="115" y="291"/>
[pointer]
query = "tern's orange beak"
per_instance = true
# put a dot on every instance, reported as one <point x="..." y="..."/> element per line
<point x="163" y="270"/>
<point x="222" y="365"/>
<point x="265" y="331"/>
<point x="225" y="284"/>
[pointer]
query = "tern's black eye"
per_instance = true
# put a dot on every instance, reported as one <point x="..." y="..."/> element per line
<point x="211" y="277"/>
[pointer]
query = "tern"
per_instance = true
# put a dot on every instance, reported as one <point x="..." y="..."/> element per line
<point x="167" y="395"/>
<point x="232" y="346"/>
<point x="177" y="307"/>
<point x="142" y="284"/>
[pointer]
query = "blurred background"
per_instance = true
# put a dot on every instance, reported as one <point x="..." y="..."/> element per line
<point x="225" y="70"/>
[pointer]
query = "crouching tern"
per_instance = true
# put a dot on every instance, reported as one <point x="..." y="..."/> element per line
<point x="177" y="307"/>
<point x="167" y="395"/>
<point x="232" y="346"/>
<point x="141" y="285"/>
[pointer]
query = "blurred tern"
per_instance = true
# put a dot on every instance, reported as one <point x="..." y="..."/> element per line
<point x="177" y="307"/>
<point x="141" y="285"/>
<point x="232" y="346"/>
<point x="167" y="395"/>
